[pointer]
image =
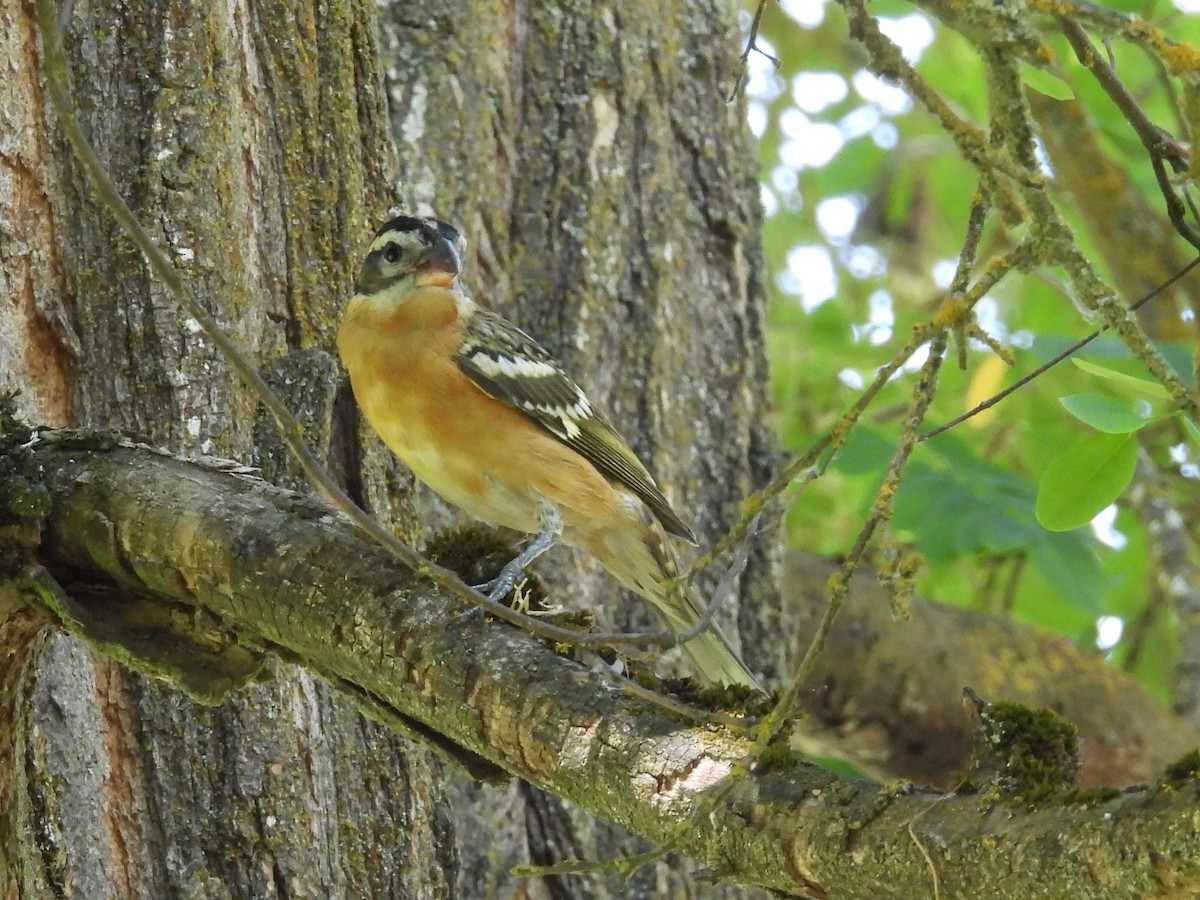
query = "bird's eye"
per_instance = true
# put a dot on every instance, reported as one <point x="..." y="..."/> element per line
<point x="392" y="254"/>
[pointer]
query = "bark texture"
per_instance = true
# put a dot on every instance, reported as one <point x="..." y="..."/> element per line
<point x="240" y="135"/>
<point x="608" y="191"/>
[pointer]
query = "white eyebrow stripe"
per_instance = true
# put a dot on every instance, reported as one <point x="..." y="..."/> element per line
<point x="401" y="238"/>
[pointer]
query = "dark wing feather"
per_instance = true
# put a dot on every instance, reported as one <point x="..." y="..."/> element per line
<point x="512" y="367"/>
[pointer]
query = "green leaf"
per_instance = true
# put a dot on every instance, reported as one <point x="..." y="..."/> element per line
<point x="920" y="506"/>
<point x="1103" y="413"/>
<point x="1069" y="563"/>
<point x="1142" y="386"/>
<point x="997" y="528"/>
<point x="866" y="450"/>
<point x="1081" y="482"/>
<point x="1045" y="83"/>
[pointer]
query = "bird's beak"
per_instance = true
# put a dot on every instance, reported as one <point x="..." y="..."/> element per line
<point x="440" y="266"/>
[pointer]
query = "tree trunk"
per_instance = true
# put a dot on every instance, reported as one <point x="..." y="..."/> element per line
<point x="608" y="192"/>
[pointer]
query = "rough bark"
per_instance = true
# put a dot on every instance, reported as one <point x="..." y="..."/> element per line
<point x="266" y="568"/>
<point x="609" y="195"/>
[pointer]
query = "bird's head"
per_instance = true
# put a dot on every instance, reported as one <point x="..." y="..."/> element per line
<point x="411" y="252"/>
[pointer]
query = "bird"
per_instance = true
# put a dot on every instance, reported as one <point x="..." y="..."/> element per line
<point x="487" y="418"/>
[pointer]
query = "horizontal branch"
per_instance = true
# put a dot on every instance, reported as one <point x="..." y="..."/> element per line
<point x="916" y="727"/>
<point x="262" y="568"/>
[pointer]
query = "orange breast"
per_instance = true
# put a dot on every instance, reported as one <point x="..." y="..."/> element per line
<point x="475" y="451"/>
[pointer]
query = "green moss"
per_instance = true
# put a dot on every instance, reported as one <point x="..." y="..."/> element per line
<point x="1027" y="754"/>
<point x="738" y="699"/>
<point x="778" y="756"/>
<point x="1184" y="769"/>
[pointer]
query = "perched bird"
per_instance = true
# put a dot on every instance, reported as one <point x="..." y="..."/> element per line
<point x="486" y="417"/>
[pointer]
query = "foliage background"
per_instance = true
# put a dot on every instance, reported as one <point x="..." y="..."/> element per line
<point x="867" y="201"/>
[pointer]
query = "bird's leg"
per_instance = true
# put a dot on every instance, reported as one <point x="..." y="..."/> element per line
<point x="499" y="586"/>
<point x="551" y="524"/>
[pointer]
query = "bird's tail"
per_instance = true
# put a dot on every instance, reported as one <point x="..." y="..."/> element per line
<point x="645" y="563"/>
<point x="709" y="651"/>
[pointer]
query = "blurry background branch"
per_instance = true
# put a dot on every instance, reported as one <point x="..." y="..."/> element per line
<point x="609" y="191"/>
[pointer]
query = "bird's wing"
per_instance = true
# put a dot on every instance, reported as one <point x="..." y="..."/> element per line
<point x="512" y="367"/>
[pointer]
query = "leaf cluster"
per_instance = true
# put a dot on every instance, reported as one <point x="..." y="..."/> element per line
<point x="1001" y="508"/>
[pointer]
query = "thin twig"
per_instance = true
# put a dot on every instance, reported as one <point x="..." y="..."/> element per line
<point x="1158" y="143"/>
<point x="809" y="466"/>
<point x="937" y="891"/>
<point x="1023" y="193"/>
<point x="1045" y="367"/>
<point x="981" y="205"/>
<point x="972" y="141"/>
<point x="1114" y="23"/>
<point x="732" y="572"/>
<point x="705" y="717"/>
<point x="751" y="47"/>
<point x="1153" y="138"/>
<point x="881" y="511"/>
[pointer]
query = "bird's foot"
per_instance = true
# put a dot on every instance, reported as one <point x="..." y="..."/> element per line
<point x="497" y="589"/>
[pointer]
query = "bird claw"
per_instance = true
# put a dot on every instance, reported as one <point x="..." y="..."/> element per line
<point x="497" y="589"/>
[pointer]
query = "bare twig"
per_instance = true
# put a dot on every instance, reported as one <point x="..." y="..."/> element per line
<point x="1022" y="194"/>
<point x="973" y="142"/>
<point x="933" y="872"/>
<point x="751" y="47"/>
<point x="1159" y="144"/>
<point x="981" y="205"/>
<point x="810" y="465"/>
<point x="674" y="707"/>
<point x="1047" y="366"/>
<point x="1179" y="57"/>
<point x="732" y="572"/>
<point x="1153" y="138"/>
<point x="881" y="511"/>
